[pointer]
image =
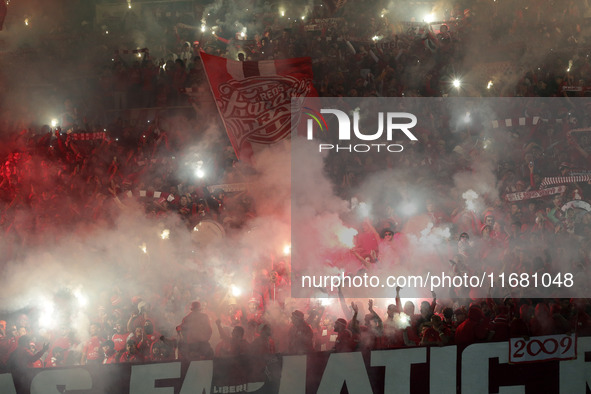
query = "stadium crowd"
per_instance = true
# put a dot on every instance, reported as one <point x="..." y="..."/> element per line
<point x="83" y="171"/>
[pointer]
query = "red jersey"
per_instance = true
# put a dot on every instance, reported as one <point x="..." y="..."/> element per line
<point x="63" y="343"/>
<point x="120" y="341"/>
<point x="92" y="348"/>
<point x="7" y="346"/>
<point x="37" y="364"/>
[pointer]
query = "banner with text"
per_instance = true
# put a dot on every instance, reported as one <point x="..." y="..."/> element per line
<point x="549" y="347"/>
<point x="478" y="368"/>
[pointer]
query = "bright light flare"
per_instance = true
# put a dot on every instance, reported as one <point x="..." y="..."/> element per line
<point x="346" y="236"/>
<point x="489" y="84"/>
<point x="287" y="250"/>
<point x="26" y="21"/>
<point x="235" y="291"/>
<point x="81" y="298"/>
<point x="303" y="17"/>
<point x="375" y="38"/>
<point x="54" y="122"/>
<point x="242" y="34"/>
<point x="467" y="118"/>
<point x="47" y="317"/>
<point x="457" y="83"/>
<point x="325" y="301"/>
<point x="203" y="28"/>
<point x="144" y="248"/>
<point x="429" y="18"/>
<point x="402" y="321"/>
<point x="199" y="171"/>
<point x="165" y="234"/>
<point x="282" y="12"/>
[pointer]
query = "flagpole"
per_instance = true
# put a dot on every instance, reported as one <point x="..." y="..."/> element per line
<point x="275" y="281"/>
<point x="236" y="148"/>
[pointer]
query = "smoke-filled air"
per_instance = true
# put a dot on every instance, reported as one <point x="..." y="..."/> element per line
<point x="135" y="183"/>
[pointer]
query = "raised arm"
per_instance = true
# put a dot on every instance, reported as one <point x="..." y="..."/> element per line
<point x="376" y="317"/>
<point x="223" y="335"/>
<point x="354" y="323"/>
<point x="344" y="307"/>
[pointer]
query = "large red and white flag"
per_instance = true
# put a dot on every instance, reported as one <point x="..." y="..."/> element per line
<point x="254" y="98"/>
